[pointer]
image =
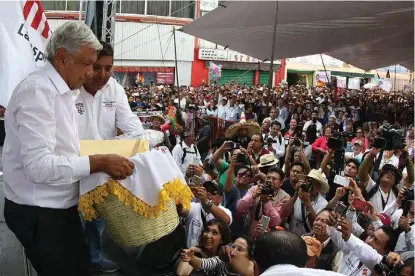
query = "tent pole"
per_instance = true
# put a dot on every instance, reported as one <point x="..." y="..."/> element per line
<point x="324" y="66"/>
<point x="274" y="36"/>
<point x="394" y="81"/>
<point x="176" y="73"/>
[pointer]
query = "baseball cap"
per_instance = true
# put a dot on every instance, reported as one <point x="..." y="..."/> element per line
<point x="358" y="142"/>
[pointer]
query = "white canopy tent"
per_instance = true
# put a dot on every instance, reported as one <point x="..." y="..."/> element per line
<point x="368" y="35"/>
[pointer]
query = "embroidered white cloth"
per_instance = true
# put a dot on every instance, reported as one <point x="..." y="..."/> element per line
<point x="152" y="170"/>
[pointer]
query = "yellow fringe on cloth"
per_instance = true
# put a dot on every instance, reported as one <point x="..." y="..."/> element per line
<point x="175" y="188"/>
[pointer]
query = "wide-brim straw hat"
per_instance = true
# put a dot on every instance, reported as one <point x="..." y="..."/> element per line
<point x="267" y="160"/>
<point x="317" y="176"/>
<point x="158" y="116"/>
<point x="252" y="127"/>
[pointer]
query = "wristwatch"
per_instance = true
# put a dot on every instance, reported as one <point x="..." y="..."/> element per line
<point x="208" y="204"/>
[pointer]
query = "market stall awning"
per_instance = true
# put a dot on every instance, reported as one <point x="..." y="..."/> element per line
<point x="368" y="35"/>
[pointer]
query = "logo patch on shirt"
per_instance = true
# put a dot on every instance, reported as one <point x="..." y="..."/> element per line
<point x="108" y="104"/>
<point x="80" y="108"/>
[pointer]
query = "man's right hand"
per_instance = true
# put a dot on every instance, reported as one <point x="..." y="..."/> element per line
<point x="116" y="166"/>
<point x="258" y="191"/>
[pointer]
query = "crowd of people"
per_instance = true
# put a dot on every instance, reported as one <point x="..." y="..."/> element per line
<point x="286" y="180"/>
<point x="262" y="161"/>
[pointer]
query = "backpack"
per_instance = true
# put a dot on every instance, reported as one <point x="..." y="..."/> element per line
<point x="191" y="152"/>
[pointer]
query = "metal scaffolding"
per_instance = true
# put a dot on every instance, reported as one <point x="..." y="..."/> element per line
<point x="108" y="21"/>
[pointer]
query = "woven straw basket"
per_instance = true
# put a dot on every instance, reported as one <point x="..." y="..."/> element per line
<point x="129" y="229"/>
<point x="126" y="227"/>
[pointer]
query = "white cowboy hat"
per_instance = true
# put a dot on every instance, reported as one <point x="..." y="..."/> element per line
<point x="317" y="176"/>
<point x="267" y="160"/>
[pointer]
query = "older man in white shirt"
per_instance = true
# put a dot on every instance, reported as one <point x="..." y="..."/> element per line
<point x="41" y="161"/>
<point x="103" y="107"/>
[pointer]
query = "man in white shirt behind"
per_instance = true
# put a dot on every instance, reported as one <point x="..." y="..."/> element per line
<point x="186" y="153"/>
<point x="360" y="257"/>
<point x="42" y="166"/>
<point x="102" y="108"/>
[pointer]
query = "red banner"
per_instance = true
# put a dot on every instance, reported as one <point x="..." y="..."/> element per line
<point x="165" y="78"/>
<point x="144" y="69"/>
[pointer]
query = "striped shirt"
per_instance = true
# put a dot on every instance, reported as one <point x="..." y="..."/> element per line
<point x="215" y="266"/>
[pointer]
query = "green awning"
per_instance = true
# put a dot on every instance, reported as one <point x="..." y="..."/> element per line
<point x="300" y="71"/>
<point x="351" y="75"/>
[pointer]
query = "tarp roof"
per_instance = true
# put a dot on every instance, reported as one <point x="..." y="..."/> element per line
<point x="368" y="35"/>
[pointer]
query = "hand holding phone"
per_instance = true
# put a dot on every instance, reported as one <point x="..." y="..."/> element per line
<point x="264" y="221"/>
<point x="342" y="181"/>
<point x="360" y="205"/>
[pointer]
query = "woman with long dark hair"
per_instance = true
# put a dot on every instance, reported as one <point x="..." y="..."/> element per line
<point x="215" y="235"/>
<point x="234" y="259"/>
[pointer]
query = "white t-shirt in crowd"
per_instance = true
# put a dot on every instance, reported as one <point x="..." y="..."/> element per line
<point x="194" y="222"/>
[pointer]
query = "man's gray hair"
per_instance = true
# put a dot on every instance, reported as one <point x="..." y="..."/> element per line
<point x="71" y="36"/>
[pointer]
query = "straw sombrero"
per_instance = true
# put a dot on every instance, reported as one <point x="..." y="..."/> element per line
<point x="316" y="175"/>
<point x="158" y="116"/>
<point x="252" y="127"/>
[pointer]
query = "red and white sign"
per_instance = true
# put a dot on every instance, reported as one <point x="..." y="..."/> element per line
<point x="24" y="30"/>
<point x="144" y="69"/>
<point x="165" y="78"/>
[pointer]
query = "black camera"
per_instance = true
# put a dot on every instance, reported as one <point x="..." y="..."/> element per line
<point x="233" y="145"/>
<point x="408" y="195"/>
<point x="391" y="135"/>
<point x="408" y="198"/>
<point x="306" y="187"/>
<point x="297" y="142"/>
<point x="267" y="189"/>
<point x="271" y="141"/>
<point x="336" y="144"/>
<point x="382" y="267"/>
<point x="299" y="130"/>
<point x="379" y="143"/>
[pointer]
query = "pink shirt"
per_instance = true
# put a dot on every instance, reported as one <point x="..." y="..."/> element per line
<point x="272" y="208"/>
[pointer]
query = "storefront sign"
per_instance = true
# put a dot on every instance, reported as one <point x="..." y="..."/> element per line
<point x="165" y="78"/>
<point x="323" y="76"/>
<point x="208" y="5"/>
<point x="144" y="69"/>
<point x="213" y="54"/>
<point x="147" y="113"/>
<point x="316" y="60"/>
<point x="237" y="57"/>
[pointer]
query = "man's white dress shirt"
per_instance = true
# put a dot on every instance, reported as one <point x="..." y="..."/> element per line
<point x="291" y="270"/>
<point x="99" y="116"/>
<point x="359" y="258"/>
<point x="278" y="147"/>
<point x="41" y="162"/>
